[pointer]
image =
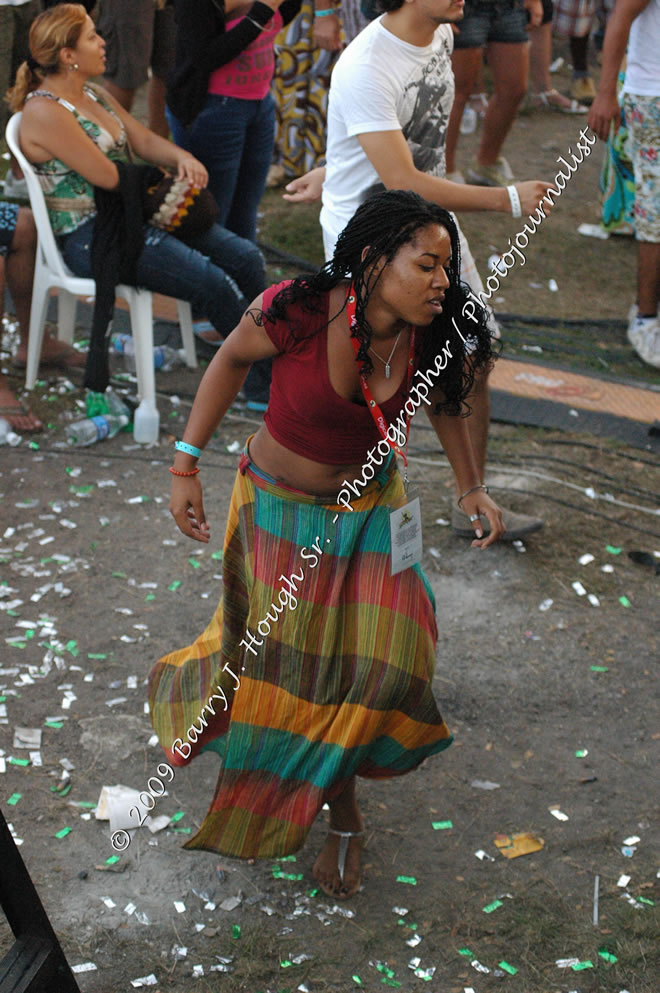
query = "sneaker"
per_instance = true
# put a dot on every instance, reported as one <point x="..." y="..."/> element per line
<point x="15" y="188"/>
<point x="583" y="90"/>
<point x="648" y="347"/>
<point x="499" y="174"/>
<point x="517" y="525"/>
<point x="638" y="327"/>
<point x="456" y="176"/>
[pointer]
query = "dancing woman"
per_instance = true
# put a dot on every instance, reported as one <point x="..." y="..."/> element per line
<point x="317" y="665"/>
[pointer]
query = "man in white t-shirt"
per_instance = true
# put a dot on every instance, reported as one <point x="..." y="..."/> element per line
<point x="390" y="98"/>
<point x="637" y="23"/>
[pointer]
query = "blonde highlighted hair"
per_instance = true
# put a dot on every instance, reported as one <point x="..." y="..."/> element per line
<point x="56" y="28"/>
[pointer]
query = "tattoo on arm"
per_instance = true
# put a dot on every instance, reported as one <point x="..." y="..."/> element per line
<point x="257" y="316"/>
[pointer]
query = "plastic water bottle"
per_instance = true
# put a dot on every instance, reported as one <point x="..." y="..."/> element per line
<point x="7" y="434"/>
<point x="165" y="358"/>
<point x="93" y="429"/>
<point x="468" y="121"/>
<point x="105" y="403"/>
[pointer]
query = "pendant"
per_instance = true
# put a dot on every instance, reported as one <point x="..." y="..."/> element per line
<point x="387" y="370"/>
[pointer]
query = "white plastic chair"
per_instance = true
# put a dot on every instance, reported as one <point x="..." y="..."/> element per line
<point x="51" y="272"/>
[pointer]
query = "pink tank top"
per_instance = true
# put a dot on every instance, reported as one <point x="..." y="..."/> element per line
<point x="249" y="75"/>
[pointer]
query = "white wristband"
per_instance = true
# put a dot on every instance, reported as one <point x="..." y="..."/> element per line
<point x="516" y="209"/>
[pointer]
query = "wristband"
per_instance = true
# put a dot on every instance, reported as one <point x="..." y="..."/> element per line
<point x="516" y="209"/>
<point x="182" y="446"/>
<point x="325" y="13"/>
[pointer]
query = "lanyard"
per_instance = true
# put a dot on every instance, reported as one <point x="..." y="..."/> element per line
<point x="374" y="408"/>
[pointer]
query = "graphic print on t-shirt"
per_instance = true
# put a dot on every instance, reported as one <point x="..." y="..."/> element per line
<point x="427" y="101"/>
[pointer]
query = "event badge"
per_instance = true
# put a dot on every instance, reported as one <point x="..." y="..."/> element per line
<point x="405" y="536"/>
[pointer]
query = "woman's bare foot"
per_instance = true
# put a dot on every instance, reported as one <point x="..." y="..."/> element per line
<point x="21" y="420"/>
<point x="53" y="353"/>
<point x="345" y="816"/>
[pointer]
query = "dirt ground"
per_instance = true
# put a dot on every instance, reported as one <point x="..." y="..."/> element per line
<point x="555" y="702"/>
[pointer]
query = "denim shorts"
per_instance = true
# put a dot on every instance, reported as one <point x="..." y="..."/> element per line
<point x="492" y="20"/>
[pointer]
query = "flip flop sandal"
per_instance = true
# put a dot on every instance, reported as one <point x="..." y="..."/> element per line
<point x="199" y="330"/>
<point x="344" y="841"/>
<point x="543" y="101"/>
<point x="20" y="411"/>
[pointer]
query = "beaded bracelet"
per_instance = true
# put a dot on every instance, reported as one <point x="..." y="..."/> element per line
<point x="479" y="486"/>
<point x="177" y="472"/>
<point x="325" y="13"/>
<point x="183" y="446"/>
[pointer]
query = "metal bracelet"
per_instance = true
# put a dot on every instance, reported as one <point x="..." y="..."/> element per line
<point x="479" y="486"/>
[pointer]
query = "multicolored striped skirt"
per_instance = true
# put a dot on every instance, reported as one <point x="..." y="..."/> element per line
<point x="316" y="666"/>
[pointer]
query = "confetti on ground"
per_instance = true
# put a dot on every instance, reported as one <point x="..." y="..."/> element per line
<point x="514" y="845"/>
<point x="559" y="814"/>
<point x="511" y="969"/>
<point x="624" y="601"/>
<point x="581" y="753"/>
<point x="84" y="967"/>
<point x="580" y="966"/>
<point x="441" y="825"/>
<point x="608" y="956"/>
<point x="411" y="880"/>
<point x="63" y="832"/>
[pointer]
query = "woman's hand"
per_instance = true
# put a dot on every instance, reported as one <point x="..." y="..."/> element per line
<point x="187" y="507"/>
<point x="188" y="167"/>
<point x="326" y="33"/>
<point x="480" y="505"/>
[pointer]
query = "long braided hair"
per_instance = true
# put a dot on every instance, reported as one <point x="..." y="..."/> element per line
<point x="382" y="224"/>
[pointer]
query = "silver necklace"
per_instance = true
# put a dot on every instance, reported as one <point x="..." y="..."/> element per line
<point x="387" y="363"/>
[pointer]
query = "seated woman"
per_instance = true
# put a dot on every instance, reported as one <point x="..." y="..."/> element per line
<point x="317" y="665"/>
<point x="74" y="133"/>
<point x="18" y="243"/>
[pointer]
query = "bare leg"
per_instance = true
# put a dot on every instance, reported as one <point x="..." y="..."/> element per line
<point x="509" y="64"/>
<point x="466" y="63"/>
<point x="156" y="102"/>
<point x="344" y="816"/>
<point x="121" y="95"/>
<point x="540" y="56"/>
<point x="10" y="408"/>
<point x="648" y="277"/>
<point x="478" y="422"/>
<point x="20" y="275"/>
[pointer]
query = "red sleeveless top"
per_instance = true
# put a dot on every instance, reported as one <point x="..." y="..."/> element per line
<point x="305" y="414"/>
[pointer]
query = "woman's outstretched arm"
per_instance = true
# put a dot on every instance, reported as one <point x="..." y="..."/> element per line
<point x="224" y="377"/>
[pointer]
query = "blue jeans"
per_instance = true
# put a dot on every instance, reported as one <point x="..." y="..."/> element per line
<point x="219" y="276"/>
<point x="234" y="139"/>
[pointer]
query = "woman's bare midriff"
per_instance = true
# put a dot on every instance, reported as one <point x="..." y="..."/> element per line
<point x="296" y="471"/>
